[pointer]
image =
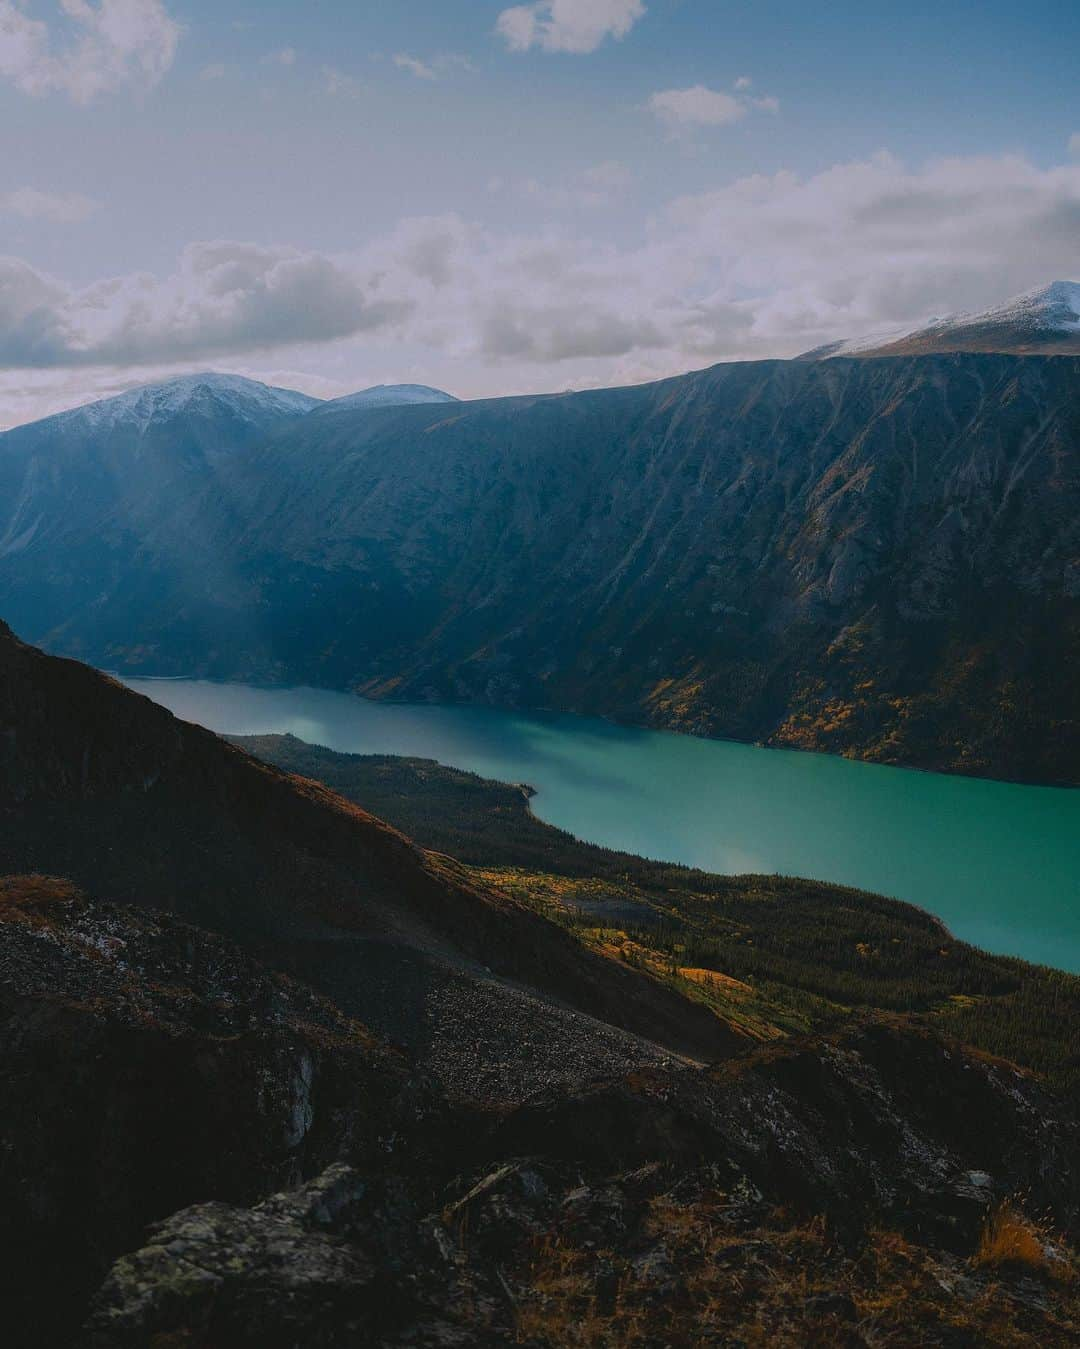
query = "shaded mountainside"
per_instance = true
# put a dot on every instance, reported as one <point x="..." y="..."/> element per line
<point x="109" y="789"/>
<point x="870" y="557"/>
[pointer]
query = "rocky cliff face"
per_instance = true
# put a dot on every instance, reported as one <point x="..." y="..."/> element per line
<point x="871" y="557"/>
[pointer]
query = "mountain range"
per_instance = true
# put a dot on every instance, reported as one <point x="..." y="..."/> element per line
<point x="878" y="557"/>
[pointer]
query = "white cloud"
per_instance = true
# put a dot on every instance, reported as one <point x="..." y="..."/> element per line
<point x="284" y="56"/>
<point x="697" y="106"/>
<point x="577" y="26"/>
<point x="214" y="71"/>
<point x="223" y="298"/>
<point x="744" y="82"/>
<point x="100" y="48"/>
<point x="700" y="106"/>
<point x="874" y="242"/>
<point x="62" y="208"/>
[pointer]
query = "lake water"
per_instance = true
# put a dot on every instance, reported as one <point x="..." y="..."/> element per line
<point x="999" y="863"/>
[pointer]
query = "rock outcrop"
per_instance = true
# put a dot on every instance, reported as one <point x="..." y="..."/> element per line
<point x="834" y="1192"/>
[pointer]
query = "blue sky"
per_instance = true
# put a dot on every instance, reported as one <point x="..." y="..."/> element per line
<point x="506" y="198"/>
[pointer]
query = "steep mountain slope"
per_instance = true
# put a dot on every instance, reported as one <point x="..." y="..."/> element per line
<point x="871" y="557"/>
<point x="389" y="395"/>
<point x="110" y="790"/>
<point x="1043" y="321"/>
<point x="879" y="557"/>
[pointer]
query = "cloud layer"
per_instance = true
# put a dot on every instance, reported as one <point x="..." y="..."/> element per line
<point x="89" y="49"/>
<point x="577" y="26"/>
<point x="764" y="266"/>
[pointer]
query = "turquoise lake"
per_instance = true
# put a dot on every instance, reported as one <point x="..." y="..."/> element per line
<point x="999" y="863"/>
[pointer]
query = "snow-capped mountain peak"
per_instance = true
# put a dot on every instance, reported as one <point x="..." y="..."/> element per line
<point x="247" y="398"/>
<point x="1044" y="320"/>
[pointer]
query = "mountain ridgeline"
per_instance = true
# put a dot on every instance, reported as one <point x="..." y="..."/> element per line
<point x="872" y="557"/>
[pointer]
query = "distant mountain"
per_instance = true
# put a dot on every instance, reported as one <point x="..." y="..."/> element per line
<point x="206" y="397"/>
<point x="865" y="557"/>
<point x="1044" y="321"/>
<point x="389" y="395"/>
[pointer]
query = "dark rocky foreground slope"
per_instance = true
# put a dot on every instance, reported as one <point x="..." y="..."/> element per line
<point x="242" y="1165"/>
<point x="877" y="557"/>
<point x="826" y="1191"/>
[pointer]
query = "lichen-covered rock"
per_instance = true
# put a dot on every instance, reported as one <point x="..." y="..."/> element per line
<point x="267" y="1275"/>
<point x="341" y="1262"/>
<point x="797" y="1196"/>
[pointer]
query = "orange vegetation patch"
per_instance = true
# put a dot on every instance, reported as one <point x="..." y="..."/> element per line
<point x="714" y="979"/>
<point x="1010" y="1238"/>
<point x="35" y="895"/>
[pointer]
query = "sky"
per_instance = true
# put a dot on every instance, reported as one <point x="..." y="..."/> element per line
<point x="494" y="199"/>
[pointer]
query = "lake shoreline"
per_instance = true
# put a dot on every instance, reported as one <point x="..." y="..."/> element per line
<point x="607" y="718"/>
<point x="998" y="864"/>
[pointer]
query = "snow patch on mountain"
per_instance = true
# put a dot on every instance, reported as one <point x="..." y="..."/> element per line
<point x="856" y="346"/>
<point x="1055" y="307"/>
